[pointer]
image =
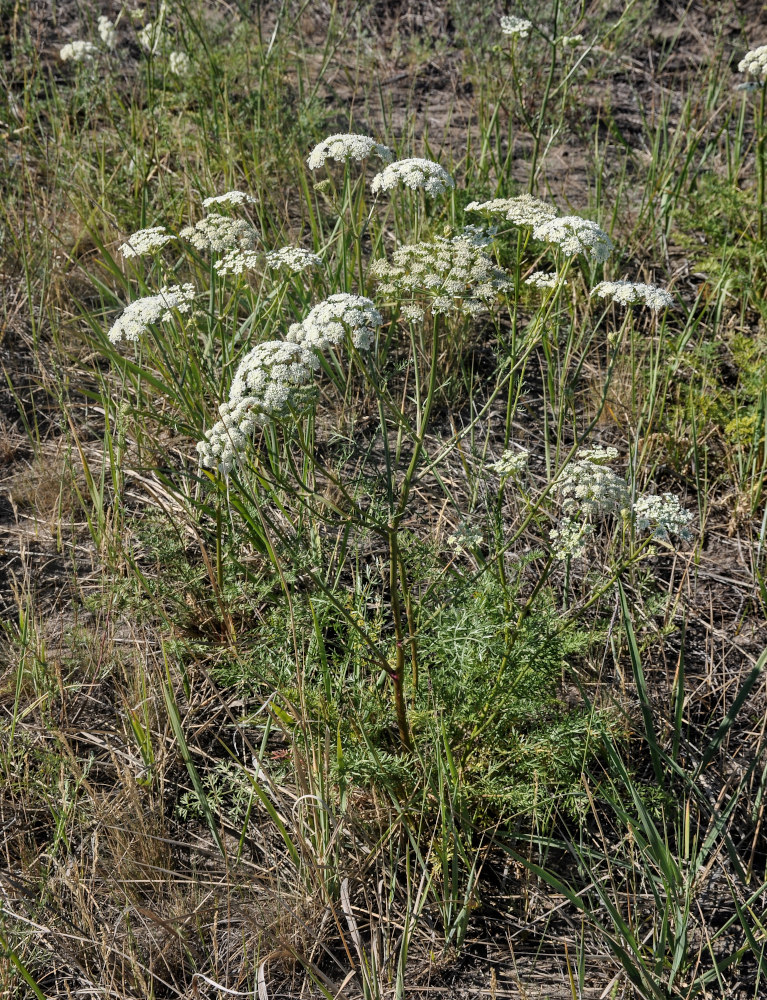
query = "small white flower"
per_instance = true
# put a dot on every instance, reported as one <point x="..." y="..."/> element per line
<point x="629" y="293"/>
<point x="571" y="538"/>
<point x="230" y="198"/>
<point x="150" y="36"/>
<point x="511" y="464"/>
<point x="219" y="232"/>
<point x="179" y="63"/>
<point x="413" y="313"/>
<point x="77" y="51"/>
<point x="328" y="322"/>
<point x="141" y="314"/>
<point x="415" y="173"/>
<point x="518" y="26"/>
<point x="574" y="235"/>
<point x="465" y="538"/>
<point x="107" y="32"/>
<point x="237" y="261"/>
<point x="294" y="259"/>
<point x="454" y="273"/>
<point x="523" y="210"/>
<point x="754" y="63"/>
<point x="145" y="241"/>
<point x="272" y="381"/>
<point x="347" y="146"/>
<point x="570" y="41"/>
<point x="664" y="515"/>
<point x="544" y="279"/>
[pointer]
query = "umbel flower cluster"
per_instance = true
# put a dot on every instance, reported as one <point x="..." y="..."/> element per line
<point x="77" y="51"/>
<point x="229" y="198"/>
<point x="414" y="173"/>
<point x="347" y="146"/>
<point x="511" y="464"/>
<point x="145" y="241"/>
<point x="629" y="293"/>
<point x="219" y="232"/>
<point x="107" y="32"/>
<point x="591" y="491"/>
<point x="544" y="279"/>
<point x="143" y="313"/>
<point x="456" y="272"/>
<point x="516" y="26"/>
<point x="272" y="380"/>
<point x="754" y="63"/>
<point x="574" y="235"/>
<point x="327" y="323"/>
<point x="524" y="210"/>
<point x="293" y="259"/>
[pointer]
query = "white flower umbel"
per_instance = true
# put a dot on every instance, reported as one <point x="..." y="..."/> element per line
<point x="570" y="41"/>
<point x="145" y="241"/>
<point x="754" y="63"/>
<point x="629" y="293"/>
<point x="511" y="464"/>
<point x="229" y="198"/>
<point x="150" y="36"/>
<point x="516" y="26"/>
<point x="574" y="235"/>
<point x="414" y="173"/>
<point x="544" y="279"/>
<point x="590" y="489"/>
<point x="465" y="538"/>
<point x="77" y="51"/>
<point x="107" y="32"/>
<point x="663" y="516"/>
<point x="330" y="320"/>
<point x="219" y="232"/>
<point x="524" y="210"/>
<point x="179" y="63"/>
<point x="237" y="261"/>
<point x="272" y="381"/>
<point x="455" y="273"/>
<point x="571" y="538"/>
<point x="347" y="146"/>
<point x="412" y="312"/>
<point x="141" y="314"/>
<point x="294" y="259"/>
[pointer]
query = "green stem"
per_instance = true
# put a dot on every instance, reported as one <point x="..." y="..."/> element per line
<point x="398" y="677"/>
<point x="760" y="164"/>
